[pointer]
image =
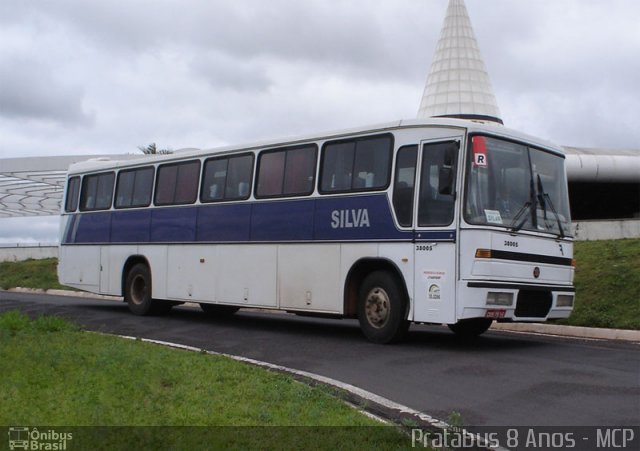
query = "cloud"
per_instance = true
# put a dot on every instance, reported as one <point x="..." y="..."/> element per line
<point x="564" y="70"/>
<point x="198" y="74"/>
<point x="223" y="72"/>
<point x="31" y="90"/>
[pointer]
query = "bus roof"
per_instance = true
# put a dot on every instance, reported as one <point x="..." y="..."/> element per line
<point x="471" y="127"/>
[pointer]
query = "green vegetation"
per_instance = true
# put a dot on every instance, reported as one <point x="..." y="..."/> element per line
<point x="152" y="149"/>
<point x="607" y="284"/>
<point x="57" y="375"/>
<point x="30" y="274"/>
<point x="455" y="419"/>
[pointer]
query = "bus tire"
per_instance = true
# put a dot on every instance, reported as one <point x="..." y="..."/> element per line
<point x="382" y="308"/>
<point x="137" y="292"/>
<point x="218" y="310"/>
<point x="471" y="328"/>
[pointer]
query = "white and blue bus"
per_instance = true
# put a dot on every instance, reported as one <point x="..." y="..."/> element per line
<point x="440" y="221"/>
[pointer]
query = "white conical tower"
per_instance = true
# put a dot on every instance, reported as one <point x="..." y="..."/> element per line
<point x="458" y="84"/>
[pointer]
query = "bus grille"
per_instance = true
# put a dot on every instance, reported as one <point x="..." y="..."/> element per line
<point x="533" y="304"/>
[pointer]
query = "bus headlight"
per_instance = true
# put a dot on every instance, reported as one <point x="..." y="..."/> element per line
<point x="564" y="300"/>
<point x="499" y="298"/>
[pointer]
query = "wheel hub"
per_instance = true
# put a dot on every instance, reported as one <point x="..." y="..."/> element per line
<point x="377" y="307"/>
<point x="138" y="290"/>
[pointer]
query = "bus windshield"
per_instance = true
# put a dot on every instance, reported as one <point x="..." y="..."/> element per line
<point x="515" y="186"/>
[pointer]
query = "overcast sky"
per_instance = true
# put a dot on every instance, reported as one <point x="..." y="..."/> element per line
<point x="105" y="76"/>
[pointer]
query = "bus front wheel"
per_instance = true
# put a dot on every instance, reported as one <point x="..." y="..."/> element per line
<point x="471" y="328"/>
<point x="137" y="292"/>
<point x="382" y="308"/>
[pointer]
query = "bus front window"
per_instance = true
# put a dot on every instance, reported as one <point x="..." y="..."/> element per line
<point x="517" y="187"/>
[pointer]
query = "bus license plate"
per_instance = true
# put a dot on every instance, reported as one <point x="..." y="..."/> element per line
<point x="495" y="313"/>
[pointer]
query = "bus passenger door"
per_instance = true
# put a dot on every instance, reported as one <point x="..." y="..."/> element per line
<point x="435" y="231"/>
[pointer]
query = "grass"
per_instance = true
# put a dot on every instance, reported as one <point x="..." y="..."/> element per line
<point x="55" y="374"/>
<point x="607" y="284"/>
<point x="30" y="274"/>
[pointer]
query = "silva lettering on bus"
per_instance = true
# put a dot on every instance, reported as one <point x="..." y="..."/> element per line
<point x="347" y="219"/>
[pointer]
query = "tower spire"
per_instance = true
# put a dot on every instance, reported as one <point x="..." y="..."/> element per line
<point x="458" y="84"/>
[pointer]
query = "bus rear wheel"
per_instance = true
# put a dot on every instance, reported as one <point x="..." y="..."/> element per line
<point x="382" y="308"/>
<point x="137" y="292"/>
<point x="471" y="328"/>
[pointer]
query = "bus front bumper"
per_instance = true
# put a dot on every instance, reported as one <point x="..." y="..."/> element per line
<point x="516" y="302"/>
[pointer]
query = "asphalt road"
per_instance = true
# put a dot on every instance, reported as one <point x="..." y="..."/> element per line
<point x="501" y="379"/>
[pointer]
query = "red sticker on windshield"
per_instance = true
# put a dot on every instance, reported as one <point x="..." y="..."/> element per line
<point x="479" y="145"/>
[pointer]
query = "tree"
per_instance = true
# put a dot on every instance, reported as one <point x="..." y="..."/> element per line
<point x="151" y="149"/>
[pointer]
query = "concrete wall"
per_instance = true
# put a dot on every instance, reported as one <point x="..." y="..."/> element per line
<point x="606" y="230"/>
<point x="19" y="252"/>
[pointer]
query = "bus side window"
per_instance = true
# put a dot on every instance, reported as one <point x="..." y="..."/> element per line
<point x="270" y="174"/>
<point x="239" y="177"/>
<point x="299" y="177"/>
<point x="73" y="191"/>
<point x="124" y="189"/>
<point x="187" y="183"/>
<point x="177" y="183"/>
<point x="337" y="166"/>
<point x="287" y="172"/>
<point x="436" y="201"/>
<point x="143" y="187"/>
<point x="97" y="192"/>
<point x="372" y="163"/>
<point x="134" y="188"/>
<point x="213" y="180"/>
<point x="227" y="178"/>
<point x="360" y="164"/>
<point x="404" y="185"/>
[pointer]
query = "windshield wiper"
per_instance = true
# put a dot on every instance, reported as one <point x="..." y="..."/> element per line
<point x="543" y="199"/>
<point x="524" y="209"/>
<point x="528" y="207"/>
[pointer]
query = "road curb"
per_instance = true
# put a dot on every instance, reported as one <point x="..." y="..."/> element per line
<point x="570" y="331"/>
<point x="531" y="328"/>
<point x="55" y="292"/>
